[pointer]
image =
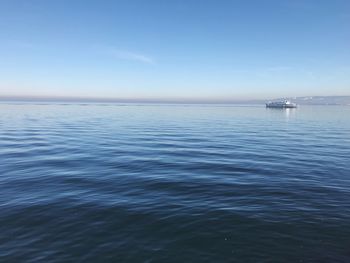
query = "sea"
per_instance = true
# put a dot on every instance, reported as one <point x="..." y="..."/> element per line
<point x="114" y="182"/>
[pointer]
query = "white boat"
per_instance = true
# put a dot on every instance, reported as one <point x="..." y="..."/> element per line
<point x="281" y="104"/>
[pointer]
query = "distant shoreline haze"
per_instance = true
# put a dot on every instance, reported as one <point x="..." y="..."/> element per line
<point x="306" y="100"/>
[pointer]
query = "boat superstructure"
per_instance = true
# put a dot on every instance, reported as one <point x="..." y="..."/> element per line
<point x="281" y="104"/>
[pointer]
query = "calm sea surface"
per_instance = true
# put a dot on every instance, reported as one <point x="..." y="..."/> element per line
<point x="174" y="183"/>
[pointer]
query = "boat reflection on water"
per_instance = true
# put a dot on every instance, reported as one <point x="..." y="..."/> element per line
<point x="286" y="112"/>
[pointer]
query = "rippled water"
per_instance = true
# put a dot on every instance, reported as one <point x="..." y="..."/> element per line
<point x="174" y="183"/>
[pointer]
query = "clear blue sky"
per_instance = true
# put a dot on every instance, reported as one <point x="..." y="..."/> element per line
<point x="175" y="49"/>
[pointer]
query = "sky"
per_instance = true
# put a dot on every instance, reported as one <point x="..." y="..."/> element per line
<point x="190" y="49"/>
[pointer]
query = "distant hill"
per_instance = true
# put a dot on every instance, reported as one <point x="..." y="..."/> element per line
<point x="320" y="100"/>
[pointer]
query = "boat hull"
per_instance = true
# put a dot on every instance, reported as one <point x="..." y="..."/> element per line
<point x="291" y="106"/>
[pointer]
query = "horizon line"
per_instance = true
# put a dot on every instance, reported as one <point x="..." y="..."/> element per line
<point x="28" y="98"/>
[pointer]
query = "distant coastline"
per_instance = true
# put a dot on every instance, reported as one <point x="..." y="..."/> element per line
<point x="321" y="100"/>
<point x="306" y="100"/>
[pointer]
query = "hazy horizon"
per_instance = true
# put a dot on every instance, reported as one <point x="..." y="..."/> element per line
<point x="325" y="100"/>
<point x="179" y="50"/>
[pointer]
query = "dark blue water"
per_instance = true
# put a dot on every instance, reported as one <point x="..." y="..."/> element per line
<point x="158" y="183"/>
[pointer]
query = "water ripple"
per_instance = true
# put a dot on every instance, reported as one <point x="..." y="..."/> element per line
<point x="143" y="183"/>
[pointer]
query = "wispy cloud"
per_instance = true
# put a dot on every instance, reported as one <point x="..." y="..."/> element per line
<point x="128" y="55"/>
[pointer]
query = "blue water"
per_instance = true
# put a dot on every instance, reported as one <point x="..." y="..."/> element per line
<point x="174" y="183"/>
